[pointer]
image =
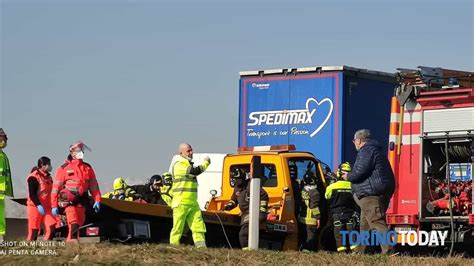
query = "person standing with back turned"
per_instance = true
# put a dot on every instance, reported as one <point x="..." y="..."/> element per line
<point x="373" y="184"/>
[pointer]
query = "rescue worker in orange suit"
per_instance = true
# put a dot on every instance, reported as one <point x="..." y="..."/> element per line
<point x="38" y="203"/>
<point x="342" y="206"/>
<point x="308" y="212"/>
<point x="71" y="184"/>
<point x="241" y="197"/>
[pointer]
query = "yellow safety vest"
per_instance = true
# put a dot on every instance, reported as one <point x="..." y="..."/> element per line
<point x="184" y="189"/>
<point x="6" y="185"/>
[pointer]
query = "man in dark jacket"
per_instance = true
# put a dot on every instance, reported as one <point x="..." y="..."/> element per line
<point x="150" y="192"/>
<point x="373" y="184"/>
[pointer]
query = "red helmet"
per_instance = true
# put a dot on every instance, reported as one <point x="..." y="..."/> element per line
<point x="79" y="145"/>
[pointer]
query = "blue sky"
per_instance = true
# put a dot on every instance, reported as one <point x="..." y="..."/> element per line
<point x="135" y="78"/>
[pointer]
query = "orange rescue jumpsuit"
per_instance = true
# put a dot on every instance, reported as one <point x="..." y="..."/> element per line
<point x="76" y="177"/>
<point x="43" y="198"/>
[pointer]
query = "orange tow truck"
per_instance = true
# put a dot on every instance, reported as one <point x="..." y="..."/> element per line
<point x="126" y="221"/>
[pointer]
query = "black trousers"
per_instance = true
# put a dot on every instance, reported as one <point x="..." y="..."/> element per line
<point x="343" y="221"/>
<point x="244" y="229"/>
<point x="307" y="237"/>
<point x="244" y="235"/>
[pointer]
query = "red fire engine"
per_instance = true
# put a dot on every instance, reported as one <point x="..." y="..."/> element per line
<point x="431" y="151"/>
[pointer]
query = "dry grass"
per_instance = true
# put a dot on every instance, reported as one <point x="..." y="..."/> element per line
<point x="106" y="253"/>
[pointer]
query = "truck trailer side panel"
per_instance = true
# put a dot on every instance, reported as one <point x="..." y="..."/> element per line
<point x="317" y="111"/>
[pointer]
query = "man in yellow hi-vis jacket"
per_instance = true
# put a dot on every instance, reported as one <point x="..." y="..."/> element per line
<point x="6" y="185"/>
<point x="184" y="203"/>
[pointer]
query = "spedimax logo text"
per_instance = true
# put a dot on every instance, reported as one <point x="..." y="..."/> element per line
<point x="391" y="238"/>
<point x="292" y="117"/>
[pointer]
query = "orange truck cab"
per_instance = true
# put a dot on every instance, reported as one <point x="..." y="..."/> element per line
<point x="281" y="230"/>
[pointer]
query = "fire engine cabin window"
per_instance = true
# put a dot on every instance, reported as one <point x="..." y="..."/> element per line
<point x="299" y="167"/>
<point x="269" y="176"/>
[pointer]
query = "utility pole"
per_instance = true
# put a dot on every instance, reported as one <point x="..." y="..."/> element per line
<point x="254" y="226"/>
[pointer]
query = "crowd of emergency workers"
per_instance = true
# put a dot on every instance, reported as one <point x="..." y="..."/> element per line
<point x="358" y="196"/>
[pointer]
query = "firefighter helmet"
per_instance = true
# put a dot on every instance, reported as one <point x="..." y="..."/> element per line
<point x="3" y="139"/>
<point x="309" y="178"/>
<point x="156" y="180"/>
<point x="237" y="176"/>
<point x="3" y="134"/>
<point x="166" y="175"/>
<point x="346" y="167"/>
<point x="167" y="178"/>
<point x="237" y="173"/>
<point x="119" y="183"/>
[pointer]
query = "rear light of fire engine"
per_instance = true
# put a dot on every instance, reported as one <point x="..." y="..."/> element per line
<point x="401" y="219"/>
<point x="290" y="147"/>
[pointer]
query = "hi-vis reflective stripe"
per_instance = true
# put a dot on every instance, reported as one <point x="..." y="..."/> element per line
<point x="341" y="248"/>
<point x="185" y="179"/>
<point x="394" y="117"/>
<point x="185" y="190"/>
<point x="407" y="117"/>
<point x="393" y="138"/>
<point x="411" y="139"/>
<point x="394" y="132"/>
<point x="411" y="117"/>
<point x="394" y="127"/>
<point x="411" y="120"/>
<point x="406" y="139"/>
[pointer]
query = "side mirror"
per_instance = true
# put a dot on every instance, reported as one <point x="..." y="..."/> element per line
<point x="213" y="193"/>
<point x="286" y="189"/>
